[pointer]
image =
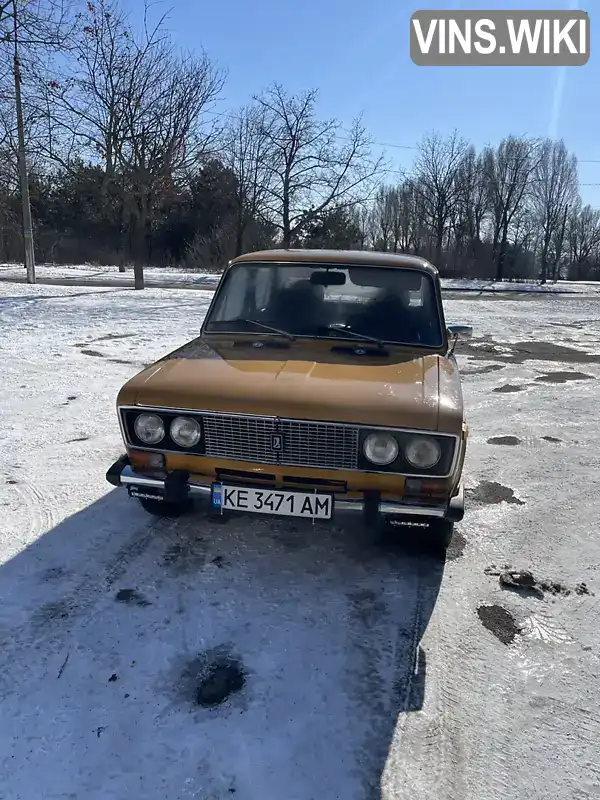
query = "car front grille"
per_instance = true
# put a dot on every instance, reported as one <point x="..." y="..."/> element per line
<point x="294" y="443"/>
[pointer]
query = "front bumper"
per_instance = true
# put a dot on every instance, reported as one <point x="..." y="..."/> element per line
<point x="176" y="486"/>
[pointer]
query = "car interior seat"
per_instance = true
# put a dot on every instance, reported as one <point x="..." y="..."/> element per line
<point x="297" y="308"/>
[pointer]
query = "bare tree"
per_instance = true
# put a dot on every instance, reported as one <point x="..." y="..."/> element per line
<point x="509" y="171"/>
<point x="361" y="215"/>
<point x="473" y="203"/>
<point x="164" y="136"/>
<point x="437" y="168"/>
<point x="246" y="152"/>
<point x="384" y="219"/>
<point x="310" y="171"/>
<point x="138" y="106"/>
<point x="554" y="189"/>
<point x="583" y="233"/>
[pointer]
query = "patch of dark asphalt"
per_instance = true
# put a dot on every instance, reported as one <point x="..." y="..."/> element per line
<point x="367" y="607"/>
<point x="54" y="574"/>
<point x="509" y="388"/>
<point x="291" y="537"/>
<point x="523" y="582"/>
<point x="500" y="622"/>
<point x="51" y="612"/>
<point x="548" y="351"/>
<point x="526" y="351"/>
<point x="113" y="678"/>
<point x="552" y="439"/>
<point x="482" y="370"/>
<point x="510" y="441"/>
<point x="11" y="481"/>
<point x="95" y="353"/>
<point x="457" y="546"/>
<point x="131" y="597"/>
<point x="210" y="678"/>
<point x="126" y="362"/>
<point x="563" y="377"/>
<point x="492" y="493"/>
<point x="78" y="439"/>
<point x="222" y="680"/>
<point x="113" y="336"/>
<point x="186" y="555"/>
<point x="104" y="339"/>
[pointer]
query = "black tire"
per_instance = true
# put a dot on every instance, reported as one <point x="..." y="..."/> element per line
<point x="440" y="536"/>
<point x="160" y="508"/>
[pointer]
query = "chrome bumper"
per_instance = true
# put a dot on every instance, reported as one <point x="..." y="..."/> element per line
<point x="121" y="474"/>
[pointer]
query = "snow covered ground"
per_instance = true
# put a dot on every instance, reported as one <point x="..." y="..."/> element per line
<point x="369" y="672"/>
<point x="84" y="274"/>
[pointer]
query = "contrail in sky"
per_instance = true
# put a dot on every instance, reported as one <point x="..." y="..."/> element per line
<point x="559" y="90"/>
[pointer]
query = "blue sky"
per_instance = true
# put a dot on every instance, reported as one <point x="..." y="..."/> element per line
<point x="356" y="52"/>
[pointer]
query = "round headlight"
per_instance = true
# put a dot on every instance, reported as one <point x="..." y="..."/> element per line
<point x="423" y="452"/>
<point x="149" y="428"/>
<point x="381" y="448"/>
<point x="185" y="431"/>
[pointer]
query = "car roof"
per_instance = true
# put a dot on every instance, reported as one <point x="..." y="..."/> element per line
<point x="364" y="258"/>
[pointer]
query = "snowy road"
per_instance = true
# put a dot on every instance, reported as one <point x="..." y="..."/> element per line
<point x="368" y="673"/>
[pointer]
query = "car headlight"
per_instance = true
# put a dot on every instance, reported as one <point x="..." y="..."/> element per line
<point x="185" y="431"/>
<point x="423" y="452"/>
<point x="381" y="448"/>
<point x="149" y="428"/>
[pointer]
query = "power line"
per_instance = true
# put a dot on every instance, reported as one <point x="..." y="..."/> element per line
<point x="416" y="176"/>
<point x="233" y="115"/>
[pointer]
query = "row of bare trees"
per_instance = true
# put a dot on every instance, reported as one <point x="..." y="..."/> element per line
<point x="129" y="161"/>
<point x="507" y="212"/>
<point x="125" y="116"/>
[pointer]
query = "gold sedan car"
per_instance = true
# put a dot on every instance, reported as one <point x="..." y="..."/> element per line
<point x="321" y="383"/>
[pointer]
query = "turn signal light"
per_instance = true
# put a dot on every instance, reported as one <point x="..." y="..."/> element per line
<point x="141" y="460"/>
<point x="425" y="488"/>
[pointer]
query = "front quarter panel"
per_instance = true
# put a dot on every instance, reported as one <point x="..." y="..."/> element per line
<point x="451" y="412"/>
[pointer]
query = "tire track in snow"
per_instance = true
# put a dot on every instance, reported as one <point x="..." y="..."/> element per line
<point x="426" y="754"/>
<point x="394" y="695"/>
<point x="440" y="752"/>
<point x="41" y="508"/>
<point x="50" y="624"/>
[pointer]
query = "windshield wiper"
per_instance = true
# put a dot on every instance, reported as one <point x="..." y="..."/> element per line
<point x="269" y="328"/>
<point x="362" y="336"/>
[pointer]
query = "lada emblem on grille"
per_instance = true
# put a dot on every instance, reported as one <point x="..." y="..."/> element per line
<point x="276" y="441"/>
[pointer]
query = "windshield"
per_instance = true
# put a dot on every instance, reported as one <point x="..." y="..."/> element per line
<point x="327" y="301"/>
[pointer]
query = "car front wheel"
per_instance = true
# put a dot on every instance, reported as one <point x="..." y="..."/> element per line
<point x="440" y="534"/>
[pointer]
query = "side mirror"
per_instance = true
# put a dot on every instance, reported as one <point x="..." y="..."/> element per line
<point x="461" y="333"/>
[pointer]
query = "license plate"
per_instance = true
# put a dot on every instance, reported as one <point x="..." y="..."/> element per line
<point x="272" y="501"/>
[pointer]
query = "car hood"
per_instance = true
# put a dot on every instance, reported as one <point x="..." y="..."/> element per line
<point x="397" y="390"/>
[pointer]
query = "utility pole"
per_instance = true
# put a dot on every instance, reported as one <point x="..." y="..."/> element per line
<point x="22" y="160"/>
